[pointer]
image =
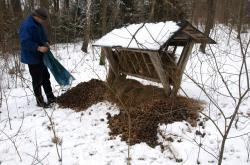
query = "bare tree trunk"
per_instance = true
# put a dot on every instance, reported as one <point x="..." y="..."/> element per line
<point x="211" y="4"/>
<point x="44" y="3"/>
<point x="240" y="17"/>
<point x="56" y="5"/>
<point x="186" y="9"/>
<point x="31" y="5"/>
<point x="2" y="5"/>
<point x="225" y="136"/>
<point x="104" y="26"/>
<point x="66" y="4"/>
<point x="87" y="27"/>
<point x="1" y="94"/>
<point x="16" y="8"/>
<point x="152" y="11"/>
<point x="193" y="18"/>
<point x="139" y="10"/>
<point x="104" y="16"/>
<point x="7" y="4"/>
<point x="2" y="23"/>
<point x="226" y="14"/>
<point x="115" y="14"/>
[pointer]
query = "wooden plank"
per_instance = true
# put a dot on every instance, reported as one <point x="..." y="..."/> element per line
<point x="141" y="63"/>
<point x="137" y="50"/>
<point x="185" y="60"/>
<point x="181" y="36"/>
<point x="131" y="61"/>
<point x="162" y="74"/>
<point x="142" y="77"/>
<point x="111" y="76"/>
<point x="144" y="50"/>
<point x="193" y="35"/>
<point x="183" y="54"/>
<point x="145" y="62"/>
<point x="124" y="62"/>
<point x="177" y="42"/>
<point x="112" y="62"/>
<point x="138" y="63"/>
<point x="186" y="52"/>
<point x="118" y="55"/>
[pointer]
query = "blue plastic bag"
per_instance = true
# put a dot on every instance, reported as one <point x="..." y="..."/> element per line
<point x="62" y="76"/>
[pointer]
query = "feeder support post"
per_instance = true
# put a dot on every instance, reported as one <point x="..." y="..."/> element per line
<point x="113" y="70"/>
<point x="181" y="65"/>
<point x="162" y="74"/>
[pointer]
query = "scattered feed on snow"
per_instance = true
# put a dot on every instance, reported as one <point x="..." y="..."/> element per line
<point x="144" y="106"/>
<point x="146" y="117"/>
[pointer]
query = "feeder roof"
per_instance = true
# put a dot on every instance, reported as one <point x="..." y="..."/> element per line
<point x="152" y="36"/>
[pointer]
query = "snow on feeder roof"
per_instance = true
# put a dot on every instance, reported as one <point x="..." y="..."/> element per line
<point x="152" y="36"/>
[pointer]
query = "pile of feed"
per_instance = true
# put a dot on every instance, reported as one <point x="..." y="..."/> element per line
<point x="142" y="108"/>
<point x="83" y="95"/>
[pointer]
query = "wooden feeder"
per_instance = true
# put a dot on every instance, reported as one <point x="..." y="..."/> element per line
<point x="148" y="51"/>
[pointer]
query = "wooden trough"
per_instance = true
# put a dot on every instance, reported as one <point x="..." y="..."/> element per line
<point x="148" y="51"/>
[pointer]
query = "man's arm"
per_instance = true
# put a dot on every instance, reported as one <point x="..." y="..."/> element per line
<point x="26" y="40"/>
<point x="28" y="44"/>
<point x="42" y="49"/>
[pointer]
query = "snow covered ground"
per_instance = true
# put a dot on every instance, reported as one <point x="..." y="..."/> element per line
<point x="26" y="135"/>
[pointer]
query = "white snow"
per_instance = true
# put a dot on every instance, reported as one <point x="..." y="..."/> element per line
<point x="140" y="36"/>
<point x="25" y="129"/>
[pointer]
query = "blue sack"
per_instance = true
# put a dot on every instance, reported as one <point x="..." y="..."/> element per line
<point x="62" y="76"/>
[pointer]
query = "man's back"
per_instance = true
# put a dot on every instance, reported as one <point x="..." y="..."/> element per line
<point x="31" y="36"/>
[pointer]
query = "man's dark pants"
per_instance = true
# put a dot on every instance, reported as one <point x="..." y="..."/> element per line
<point x="40" y="77"/>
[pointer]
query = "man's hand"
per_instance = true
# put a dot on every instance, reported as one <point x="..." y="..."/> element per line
<point x="42" y="49"/>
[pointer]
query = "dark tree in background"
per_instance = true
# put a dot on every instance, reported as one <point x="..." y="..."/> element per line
<point x="44" y="3"/>
<point x="66" y="5"/>
<point x="88" y="24"/>
<point x="104" y="12"/>
<point x="16" y="8"/>
<point x="56" y="5"/>
<point x="211" y="5"/>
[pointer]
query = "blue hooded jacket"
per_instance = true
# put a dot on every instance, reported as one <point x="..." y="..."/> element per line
<point x="32" y="34"/>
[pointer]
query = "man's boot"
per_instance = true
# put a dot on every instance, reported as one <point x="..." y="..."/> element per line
<point x="51" y="98"/>
<point x="40" y="102"/>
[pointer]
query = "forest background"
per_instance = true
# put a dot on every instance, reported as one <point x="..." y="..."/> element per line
<point x="85" y="20"/>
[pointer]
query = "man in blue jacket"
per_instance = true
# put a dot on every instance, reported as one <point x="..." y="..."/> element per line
<point x="34" y="44"/>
